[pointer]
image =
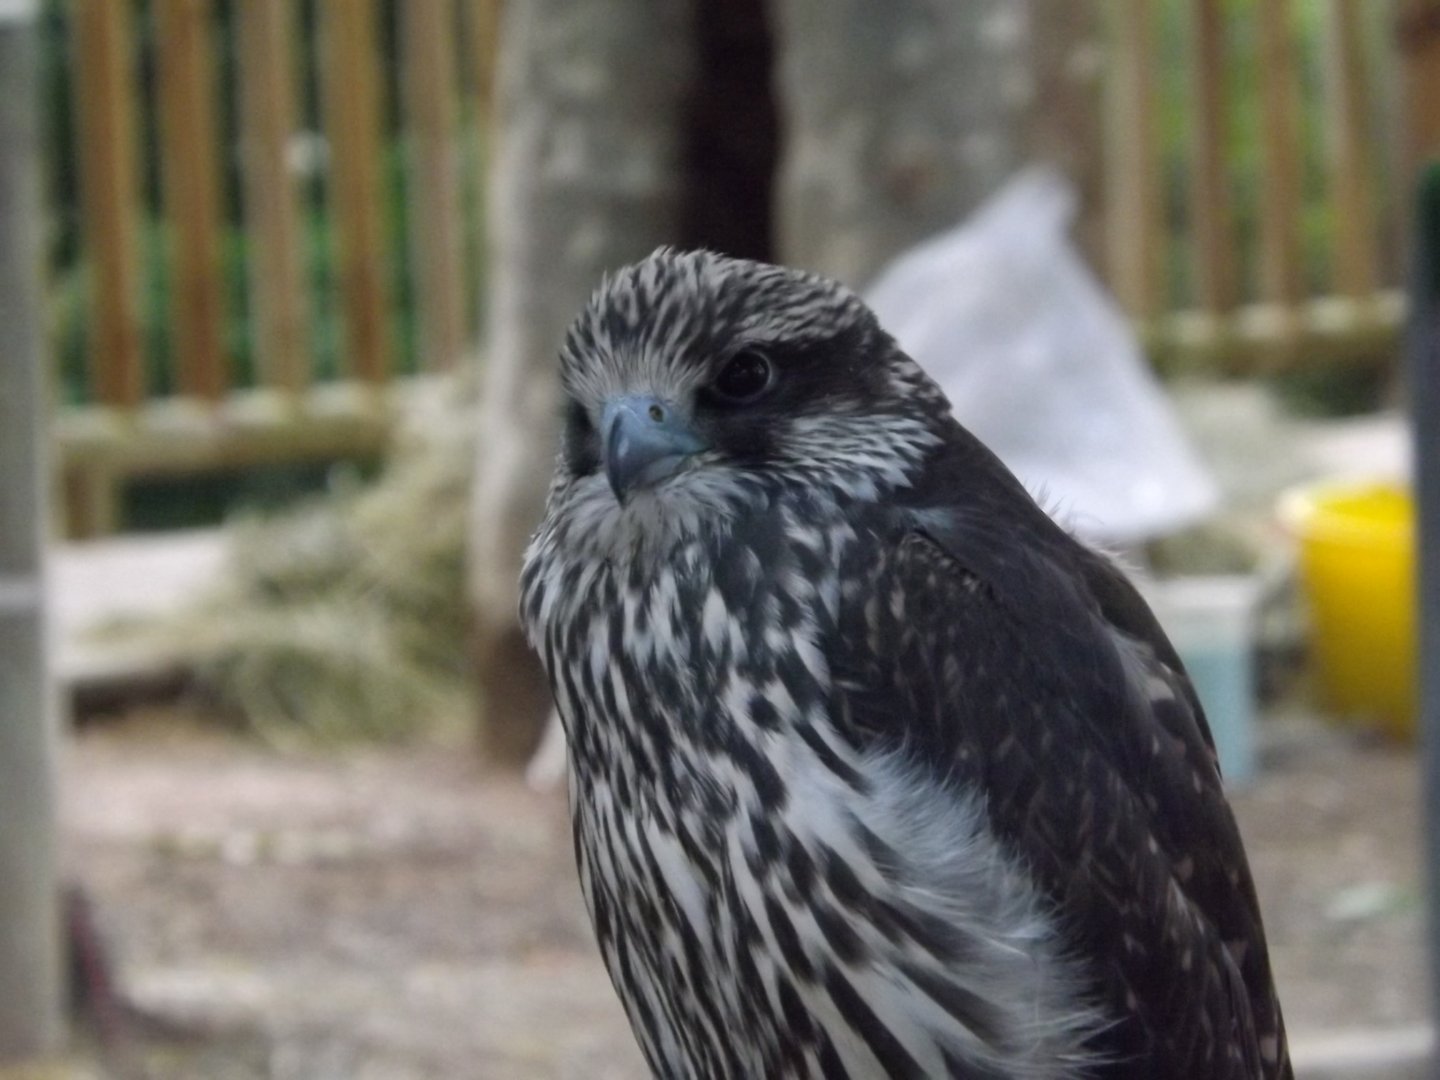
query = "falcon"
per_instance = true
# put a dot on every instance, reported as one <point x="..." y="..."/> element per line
<point x="875" y="770"/>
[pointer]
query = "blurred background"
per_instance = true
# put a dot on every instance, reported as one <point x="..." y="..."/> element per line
<point x="281" y="288"/>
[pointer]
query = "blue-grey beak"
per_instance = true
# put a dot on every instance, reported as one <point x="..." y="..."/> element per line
<point x="646" y="440"/>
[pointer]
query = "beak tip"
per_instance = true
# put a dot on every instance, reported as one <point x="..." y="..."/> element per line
<point x="617" y="485"/>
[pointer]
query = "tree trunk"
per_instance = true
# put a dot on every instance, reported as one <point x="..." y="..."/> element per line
<point x="629" y="123"/>
<point x="899" y="119"/>
<point x="30" y="981"/>
<point x="1064" y="122"/>
<point x="587" y="177"/>
<point x="732" y="132"/>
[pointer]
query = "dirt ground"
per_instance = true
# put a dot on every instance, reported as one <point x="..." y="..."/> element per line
<point x="398" y="914"/>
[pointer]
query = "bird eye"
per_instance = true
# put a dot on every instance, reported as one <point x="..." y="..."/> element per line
<point x="744" y="379"/>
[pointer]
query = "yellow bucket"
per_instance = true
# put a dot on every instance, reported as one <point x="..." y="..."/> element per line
<point x="1357" y="563"/>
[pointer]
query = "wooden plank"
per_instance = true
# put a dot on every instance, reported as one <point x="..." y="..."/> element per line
<point x="1064" y="119"/>
<point x="105" y="95"/>
<point x="1211" y="220"/>
<point x="252" y="427"/>
<point x="190" y="172"/>
<point x="482" y="27"/>
<point x="1256" y="338"/>
<point x="1281" y="204"/>
<point x="352" y="114"/>
<point x="1418" y="33"/>
<point x="1348" y="129"/>
<point x="104" y="583"/>
<point x="1133" y="204"/>
<point x="483" y="17"/>
<point x="1384" y="53"/>
<point x="92" y="500"/>
<point x="277" y="287"/>
<point x="436" y="253"/>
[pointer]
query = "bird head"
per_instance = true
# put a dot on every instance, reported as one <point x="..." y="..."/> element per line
<point x="690" y="377"/>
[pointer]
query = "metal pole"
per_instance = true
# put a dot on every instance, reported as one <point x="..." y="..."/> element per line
<point x="31" y="1008"/>
<point x="1424" y="369"/>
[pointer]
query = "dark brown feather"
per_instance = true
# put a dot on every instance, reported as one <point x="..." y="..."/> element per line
<point x="1015" y="659"/>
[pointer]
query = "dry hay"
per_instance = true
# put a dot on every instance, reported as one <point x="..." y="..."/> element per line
<point x="346" y="617"/>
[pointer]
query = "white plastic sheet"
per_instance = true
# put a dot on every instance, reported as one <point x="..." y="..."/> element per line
<point x="1039" y="363"/>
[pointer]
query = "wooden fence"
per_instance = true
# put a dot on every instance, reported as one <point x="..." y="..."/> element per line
<point x="149" y="73"/>
<point x="1264" y="234"/>
<point x="1272" y="233"/>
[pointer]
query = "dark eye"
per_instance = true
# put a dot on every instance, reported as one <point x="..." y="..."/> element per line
<point x="744" y="379"/>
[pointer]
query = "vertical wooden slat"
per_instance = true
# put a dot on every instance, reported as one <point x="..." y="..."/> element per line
<point x="484" y="22"/>
<point x="483" y="27"/>
<point x="190" y="173"/>
<point x="1383" y="54"/>
<point x="1417" y="35"/>
<point x="1350" y="138"/>
<point x="1133" y="205"/>
<point x="436" y="232"/>
<point x="105" y="93"/>
<point x="276" y="275"/>
<point x="352" y="113"/>
<point x="1211" y="222"/>
<point x="1064" y="121"/>
<point x="1281" y="204"/>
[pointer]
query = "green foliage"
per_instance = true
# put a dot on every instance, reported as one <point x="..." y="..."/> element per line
<point x="1334" y="389"/>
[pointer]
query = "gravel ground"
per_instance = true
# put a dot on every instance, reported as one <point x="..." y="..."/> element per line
<point x="388" y="915"/>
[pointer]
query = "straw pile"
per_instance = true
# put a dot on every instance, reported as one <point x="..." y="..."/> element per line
<point x="346" y="618"/>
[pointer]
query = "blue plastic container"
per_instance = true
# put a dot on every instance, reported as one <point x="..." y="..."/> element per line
<point x="1210" y="620"/>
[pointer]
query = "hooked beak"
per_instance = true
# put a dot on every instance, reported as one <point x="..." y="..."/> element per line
<point x="646" y="440"/>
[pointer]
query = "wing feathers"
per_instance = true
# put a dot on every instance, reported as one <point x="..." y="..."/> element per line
<point x="1022" y="663"/>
